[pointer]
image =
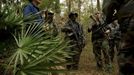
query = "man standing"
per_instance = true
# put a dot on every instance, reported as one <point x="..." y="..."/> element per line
<point x="32" y="9"/>
<point x="50" y="25"/>
<point x="125" y="16"/>
<point x="114" y="39"/>
<point x="98" y="39"/>
<point x="74" y="32"/>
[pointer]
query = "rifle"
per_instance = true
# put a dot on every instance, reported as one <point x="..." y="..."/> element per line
<point x="101" y="25"/>
<point x="106" y="23"/>
<point x="75" y="33"/>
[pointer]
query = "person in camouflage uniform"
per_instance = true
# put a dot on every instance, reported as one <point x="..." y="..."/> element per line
<point x="50" y="24"/>
<point x="114" y="38"/>
<point x="98" y="41"/>
<point x="125" y="16"/>
<point x="74" y="32"/>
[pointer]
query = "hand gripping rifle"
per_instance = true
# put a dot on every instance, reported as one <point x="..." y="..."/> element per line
<point x="101" y="26"/>
<point x="105" y="24"/>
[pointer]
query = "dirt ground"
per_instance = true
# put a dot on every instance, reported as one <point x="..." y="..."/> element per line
<point x="87" y="64"/>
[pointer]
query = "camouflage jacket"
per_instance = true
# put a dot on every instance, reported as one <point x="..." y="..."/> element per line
<point x="97" y="35"/>
<point x="114" y="32"/>
<point x="52" y="28"/>
<point x="94" y="25"/>
<point x="74" y="32"/>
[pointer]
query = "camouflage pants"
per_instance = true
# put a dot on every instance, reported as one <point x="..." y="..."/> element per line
<point x="74" y="58"/>
<point x="99" y="50"/>
<point x="126" y="52"/>
<point x="113" y="45"/>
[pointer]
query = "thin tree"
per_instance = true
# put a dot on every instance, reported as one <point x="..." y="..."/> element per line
<point x="57" y="6"/>
<point x="79" y="8"/>
<point x="69" y="3"/>
<point x="92" y="6"/>
<point x="98" y="5"/>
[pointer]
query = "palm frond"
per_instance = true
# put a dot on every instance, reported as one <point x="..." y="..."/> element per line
<point x="36" y="47"/>
<point x="36" y="52"/>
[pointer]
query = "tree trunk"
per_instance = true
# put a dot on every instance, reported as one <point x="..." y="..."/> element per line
<point x="79" y="10"/>
<point x="98" y="5"/>
<point x="57" y="6"/>
<point x="69" y="3"/>
<point x="92" y="6"/>
<point x="57" y="11"/>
